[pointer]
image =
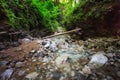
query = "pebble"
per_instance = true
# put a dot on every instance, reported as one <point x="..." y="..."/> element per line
<point x="53" y="47"/>
<point x="60" y="60"/>
<point x="46" y="59"/>
<point x="3" y="63"/>
<point x="86" y="70"/>
<point x="26" y="40"/>
<point x="3" y="56"/>
<point x="19" y="64"/>
<point x="79" y="76"/>
<point x="56" y="75"/>
<point x="47" y="44"/>
<point x="21" y="73"/>
<point x="33" y="51"/>
<point x="32" y="76"/>
<point x="72" y="73"/>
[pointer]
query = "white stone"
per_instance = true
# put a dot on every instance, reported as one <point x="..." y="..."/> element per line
<point x="98" y="60"/>
<point x="32" y="75"/>
<point x="53" y="47"/>
<point x="21" y="73"/>
<point x="26" y="40"/>
<point x="47" y="44"/>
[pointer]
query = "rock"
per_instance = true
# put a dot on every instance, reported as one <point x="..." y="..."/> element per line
<point x="72" y="73"/>
<point x="39" y="41"/>
<point x="19" y="64"/>
<point x="39" y="54"/>
<point x="118" y="73"/>
<point x="15" y="44"/>
<point x="79" y="76"/>
<point x="67" y="67"/>
<point x="86" y="70"/>
<point x="61" y="59"/>
<point x="53" y="47"/>
<point x="21" y="73"/>
<point x="97" y="60"/>
<point x="71" y="53"/>
<point x="7" y="74"/>
<point x="25" y="40"/>
<point x="29" y="37"/>
<point x="33" y="51"/>
<point x="3" y="56"/>
<point x="84" y="60"/>
<point x="110" y="55"/>
<point x="56" y="75"/>
<point x="32" y="76"/>
<point x="46" y="43"/>
<point x="2" y="47"/>
<point x="46" y="59"/>
<point x="3" y="63"/>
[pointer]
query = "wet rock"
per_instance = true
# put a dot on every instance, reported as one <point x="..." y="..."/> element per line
<point x="3" y="63"/>
<point x="7" y="74"/>
<point x="86" y="70"/>
<point x="98" y="60"/>
<point x="19" y="64"/>
<point x="32" y="76"/>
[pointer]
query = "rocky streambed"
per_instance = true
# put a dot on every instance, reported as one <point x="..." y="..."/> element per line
<point x="62" y="58"/>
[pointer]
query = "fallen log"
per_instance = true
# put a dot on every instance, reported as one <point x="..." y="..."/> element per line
<point x="3" y="32"/>
<point x="67" y="32"/>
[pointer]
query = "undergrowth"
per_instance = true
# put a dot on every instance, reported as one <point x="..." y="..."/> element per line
<point x="51" y="14"/>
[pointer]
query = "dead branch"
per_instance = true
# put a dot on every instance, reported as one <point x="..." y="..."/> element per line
<point x="67" y="32"/>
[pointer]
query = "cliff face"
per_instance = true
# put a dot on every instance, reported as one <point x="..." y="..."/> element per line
<point x="111" y="22"/>
<point x="116" y="19"/>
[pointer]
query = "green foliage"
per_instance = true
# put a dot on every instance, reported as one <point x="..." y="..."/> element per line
<point x="84" y="10"/>
<point x="49" y="13"/>
<point x="31" y="13"/>
<point x="69" y="13"/>
<point x="24" y="14"/>
<point x="20" y="13"/>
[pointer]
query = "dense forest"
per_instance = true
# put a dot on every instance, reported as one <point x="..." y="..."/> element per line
<point x="59" y="39"/>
